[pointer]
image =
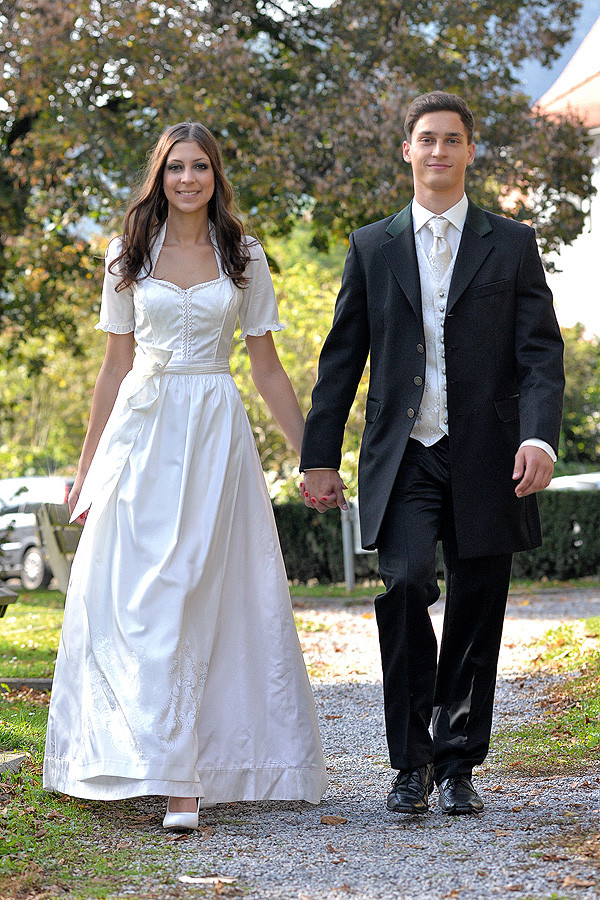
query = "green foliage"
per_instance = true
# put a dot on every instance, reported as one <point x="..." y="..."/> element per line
<point x="571" y="530"/>
<point x="45" y="397"/>
<point x="580" y="440"/>
<point x="307" y="102"/>
<point x="311" y="544"/>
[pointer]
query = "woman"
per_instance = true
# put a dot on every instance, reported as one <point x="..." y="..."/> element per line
<point x="179" y="670"/>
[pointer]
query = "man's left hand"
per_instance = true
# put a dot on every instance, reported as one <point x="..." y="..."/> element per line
<point x="533" y="470"/>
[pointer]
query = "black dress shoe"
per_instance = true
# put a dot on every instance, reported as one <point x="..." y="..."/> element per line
<point x="410" y="790"/>
<point x="458" y="797"/>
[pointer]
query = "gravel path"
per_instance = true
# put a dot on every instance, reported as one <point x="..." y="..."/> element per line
<point x="522" y="845"/>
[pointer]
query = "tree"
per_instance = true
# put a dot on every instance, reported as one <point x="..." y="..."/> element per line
<point x="307" y="102"/>
<point x="580" y="440"/>
<point x="343" y="77"/>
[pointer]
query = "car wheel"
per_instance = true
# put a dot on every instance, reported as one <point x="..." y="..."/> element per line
<point x="35" y="572"/>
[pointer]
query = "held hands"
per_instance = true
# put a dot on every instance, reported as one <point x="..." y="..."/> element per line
<point x="533" y="470"/>
<point x="323" y="489"/>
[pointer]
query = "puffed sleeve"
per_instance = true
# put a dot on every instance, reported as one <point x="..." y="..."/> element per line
<point x="258" y="311"/>
<point x="116" y="309"/>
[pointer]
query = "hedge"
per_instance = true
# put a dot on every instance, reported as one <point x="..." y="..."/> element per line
<point x="312" y="543"/>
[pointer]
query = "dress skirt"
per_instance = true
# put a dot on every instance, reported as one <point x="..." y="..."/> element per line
<point x="179" y="669"/>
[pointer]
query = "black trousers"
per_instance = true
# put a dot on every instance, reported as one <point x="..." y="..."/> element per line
<point x="454" y="693"/>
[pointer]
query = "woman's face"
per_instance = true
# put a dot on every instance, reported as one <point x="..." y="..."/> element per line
<point x="188" y="178"/>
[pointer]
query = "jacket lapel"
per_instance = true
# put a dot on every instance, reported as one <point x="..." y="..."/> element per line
<point x="474" y="247"/>
<point x="401" y="256"/>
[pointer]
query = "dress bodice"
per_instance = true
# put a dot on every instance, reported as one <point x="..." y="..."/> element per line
<point x="197" y="323"/>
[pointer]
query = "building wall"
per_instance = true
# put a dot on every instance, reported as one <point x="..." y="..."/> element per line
<point x="576" y="287"/>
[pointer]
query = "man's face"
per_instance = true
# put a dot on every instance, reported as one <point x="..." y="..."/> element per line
<point x="439" y="153"/>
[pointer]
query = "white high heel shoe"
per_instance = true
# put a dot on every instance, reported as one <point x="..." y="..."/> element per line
<point x="181" y="820"/>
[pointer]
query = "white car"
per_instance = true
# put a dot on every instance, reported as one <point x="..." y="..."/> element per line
<point x="21" y="552"/>
<point x="586" y="481"/>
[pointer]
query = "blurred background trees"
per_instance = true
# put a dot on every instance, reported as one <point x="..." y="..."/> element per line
<point x="308" y="103"/>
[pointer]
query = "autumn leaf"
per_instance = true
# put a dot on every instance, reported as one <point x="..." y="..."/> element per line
<point x="333" y="820"/>
<point x="574" y="881"/>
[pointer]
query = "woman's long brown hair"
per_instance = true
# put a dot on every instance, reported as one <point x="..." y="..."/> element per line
<point x="149" y="210"/>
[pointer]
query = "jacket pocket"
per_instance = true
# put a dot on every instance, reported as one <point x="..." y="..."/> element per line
<point x="372" y="409"/>
<point x="508" y="408"/>
<point x="492" y="287"/>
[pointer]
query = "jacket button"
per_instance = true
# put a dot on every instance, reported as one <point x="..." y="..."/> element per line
<point x="418" y="380"/>
<point x="410" y="412"/>
<point x="420" y="348"/>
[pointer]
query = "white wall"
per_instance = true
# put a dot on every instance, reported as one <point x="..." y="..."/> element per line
<point x="576" y="288"/>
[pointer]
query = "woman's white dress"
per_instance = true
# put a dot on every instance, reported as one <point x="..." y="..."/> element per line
<point x="179" y="670"/>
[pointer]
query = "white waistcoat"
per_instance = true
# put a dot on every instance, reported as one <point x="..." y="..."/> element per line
<point x="431" y="422"/>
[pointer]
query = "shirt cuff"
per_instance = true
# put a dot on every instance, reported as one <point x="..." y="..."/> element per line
<point x="536" y="442"/>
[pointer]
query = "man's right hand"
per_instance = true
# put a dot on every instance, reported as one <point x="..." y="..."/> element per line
<point x="323" y="489"/>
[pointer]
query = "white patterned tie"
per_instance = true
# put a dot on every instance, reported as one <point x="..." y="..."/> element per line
<point x="440" y="254"/>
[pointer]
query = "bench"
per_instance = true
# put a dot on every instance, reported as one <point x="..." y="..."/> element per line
<point x="6" y="596"/>
<point x="60" y="539"/>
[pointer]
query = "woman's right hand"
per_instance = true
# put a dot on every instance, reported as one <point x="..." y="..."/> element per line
<point x="73" y="498"/>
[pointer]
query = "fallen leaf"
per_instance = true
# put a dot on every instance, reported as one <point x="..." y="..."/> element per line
<point x="206" y="879"/>
<point x="333" y="717"/>
<point x="552" y="857"/>
<point x="181" y="836"/>
<point x="515" y="887"/>
<point x="496" y="788"/>
<point x="574" y="881"/>
<point x="517" y="808"/>
<point x="502" y="832"/>
<point x="333" y="820"/>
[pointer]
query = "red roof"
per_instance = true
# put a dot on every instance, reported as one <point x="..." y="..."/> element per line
<point x="577" y="89"/>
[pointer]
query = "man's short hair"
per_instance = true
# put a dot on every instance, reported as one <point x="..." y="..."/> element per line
<point x="438" y="101"/>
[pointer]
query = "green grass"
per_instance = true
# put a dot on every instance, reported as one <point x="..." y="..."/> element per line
<point x="23" y="723"/>
<point x="335" y="590"/>
<point x="566" y="737"/>
<point x="29" y="635"/>
<point x="52" y="845"/>
<point x="368" y="591"/>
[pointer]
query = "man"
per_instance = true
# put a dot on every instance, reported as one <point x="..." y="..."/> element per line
<point x="462" y="425"/>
